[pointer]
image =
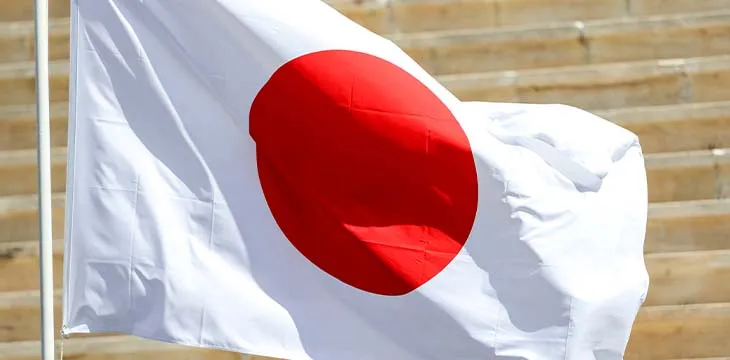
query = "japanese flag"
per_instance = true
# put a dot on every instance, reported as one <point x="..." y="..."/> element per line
<point x="268" y="177"/>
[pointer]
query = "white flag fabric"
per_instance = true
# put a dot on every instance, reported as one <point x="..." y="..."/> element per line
<point x="270" y="178"/>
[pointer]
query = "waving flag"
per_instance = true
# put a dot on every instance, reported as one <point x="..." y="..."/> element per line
<point x="269" y="177"/>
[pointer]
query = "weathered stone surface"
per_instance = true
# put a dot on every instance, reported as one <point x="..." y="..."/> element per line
<point x="115" y="348"/>
<point x="18" y="126"/>
<point x="648" y="7"/>
<point x="661" y="37"/>
<point x="663" y="77"/>
<point x="673" y="227"/>
<point x="676" y="127"/>
<point x="660" y="332"/>
<point x="18" y="172"/>
<point x="680" y="176"/>
<point x="591" y="87"/>
<point x="689" y="278"/>
<point x="368" y="13"/>
<point x="513" y="12"/>
<point x="22" y="10"/>
<point x="21" y="260"/>
<point x="17" y="82"/>
<point x="17" y="40"/>
<point x="605" y="86"/>
<point x="708" y="79"/>
<point x="670" y="128"/>
<point x="671" y="332"/>
<point x="424" y="15"/>
<point x="19" y="218"/>
<point x="511" y="48"/>
<point x="688" y="226"/>
<point x="694" y="175"/>
<point x="497" y="49"/>
<point x="20" y="316"/>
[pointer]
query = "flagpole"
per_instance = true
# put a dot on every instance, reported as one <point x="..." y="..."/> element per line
<point x="44" y="178"/>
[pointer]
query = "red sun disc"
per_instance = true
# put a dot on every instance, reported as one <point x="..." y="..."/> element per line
<point x="365" y="170"/>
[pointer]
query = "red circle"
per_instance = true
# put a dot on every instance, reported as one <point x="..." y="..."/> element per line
<point x="365" y="170"/>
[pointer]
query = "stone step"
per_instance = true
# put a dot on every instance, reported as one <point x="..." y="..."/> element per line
<point x="667" y="128"/>
<point x="680" y="176"/>
<point x="115" y="348"/>
<point x="673" y="128"/>
<point x="682" y="278"/>
<point x="643" y="7"/>
<point x="660" y="332"/>
<point x="688" y="226"/>
<point x="17" y="82"/>
<point x="672" y="226"/>
<point x="20" y="317"/>
<point x="18" y="171"/>
<point x="593" y="87"/>
<point x="676" y="279"/>
<point x="509" y="48"/>
<point x="602" y="86"/>
<point x="21" y="260"/>
<point x="574" y="43"/>
<point x="20" y="10"/>
<point x="393" y="16"/>
<point x="675" y="231"/>
<point x="684" y="331"/>
<point x="18" y="126"/>
<point x="686" y="176"/>
<point x="19" y="218"/>
<point x="17" y="40"/>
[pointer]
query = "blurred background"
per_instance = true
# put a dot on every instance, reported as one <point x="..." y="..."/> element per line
<point x="660" y="68"/>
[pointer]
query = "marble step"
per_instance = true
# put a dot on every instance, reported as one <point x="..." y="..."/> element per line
<point x="667" y="128"/>
<point x="115" y="348"/>
<point x="391" y="16"/>
<point x="676" y="176"/>
<point x="676" y="232"/>
<point x="602" y="86"/>
<point x="680" y="331"/>
<point x="676" y="279"/>
<point x="592" y="87"/>
<point x="660" y="332"/>
<point x="505" y="48"/>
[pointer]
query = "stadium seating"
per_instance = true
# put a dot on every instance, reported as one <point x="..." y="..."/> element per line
<point x="660" y="68"/>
